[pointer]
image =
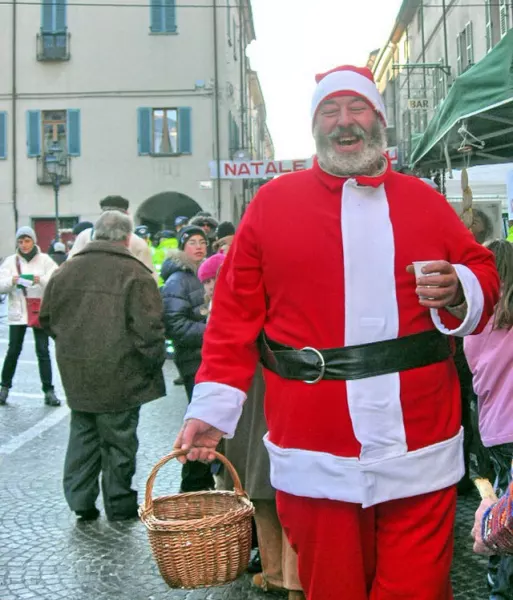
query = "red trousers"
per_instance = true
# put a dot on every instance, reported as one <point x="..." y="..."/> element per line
<point x="396" y="550"/>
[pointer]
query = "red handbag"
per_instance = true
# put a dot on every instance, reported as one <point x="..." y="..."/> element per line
<point x="33" y="304"/>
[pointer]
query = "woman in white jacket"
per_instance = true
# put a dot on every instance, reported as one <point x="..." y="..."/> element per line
<point x="31" y="261"/>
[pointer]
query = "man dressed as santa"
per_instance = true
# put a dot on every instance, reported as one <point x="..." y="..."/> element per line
<point x="362" y="402"/>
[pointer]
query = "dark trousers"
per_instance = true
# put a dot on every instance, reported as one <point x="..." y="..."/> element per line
<point x="106" y="443"/>
<point x="16" y="337"/>
<point x="196" y="476"/>
<point x="500" y="568"/>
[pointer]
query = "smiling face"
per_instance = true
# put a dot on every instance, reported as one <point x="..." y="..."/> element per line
<point x="349" y="136"/>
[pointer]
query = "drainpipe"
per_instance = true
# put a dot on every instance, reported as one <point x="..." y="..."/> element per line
<point x="424" y="56"/>
<point x="409" y="92"/>
<point x="216" y="109"/>
<point x="446" y="42"/>
<point x="242" y="57"/>
<point x="14" y="119"/>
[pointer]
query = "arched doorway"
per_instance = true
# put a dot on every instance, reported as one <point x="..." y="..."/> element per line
<point x="160" y="211"/>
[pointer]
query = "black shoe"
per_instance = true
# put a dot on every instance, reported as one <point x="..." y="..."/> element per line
<point x="87" y="515"/>
<point x="4" y="392"/>
<point x="125" y="517"/>
<point x="51" y="399"/>
<point x="178" y="381"/>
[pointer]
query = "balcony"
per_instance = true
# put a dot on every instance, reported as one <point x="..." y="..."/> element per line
<point x="53" y="46"/>
<point x="44" y="178"/>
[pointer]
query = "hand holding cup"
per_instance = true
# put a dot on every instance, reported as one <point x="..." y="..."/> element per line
<point x="438" y="285"/>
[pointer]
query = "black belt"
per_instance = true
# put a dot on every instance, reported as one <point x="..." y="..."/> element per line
<point x="354" y="362"/>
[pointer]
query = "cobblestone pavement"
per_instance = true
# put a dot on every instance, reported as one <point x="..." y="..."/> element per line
<point x="46" y="555"/>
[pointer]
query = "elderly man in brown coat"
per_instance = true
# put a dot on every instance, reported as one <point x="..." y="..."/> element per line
<point x="105" y="313"/>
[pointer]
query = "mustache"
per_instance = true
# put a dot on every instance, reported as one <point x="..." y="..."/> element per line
<point x="354" y="131"/>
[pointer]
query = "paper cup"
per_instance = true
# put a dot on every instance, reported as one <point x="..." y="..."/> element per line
<point x="417" y="265"/>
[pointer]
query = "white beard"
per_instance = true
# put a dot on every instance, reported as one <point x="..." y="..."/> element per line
<point x="366" y="162"/>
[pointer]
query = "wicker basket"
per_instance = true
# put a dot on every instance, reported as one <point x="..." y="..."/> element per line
<point x="199" y="539"/>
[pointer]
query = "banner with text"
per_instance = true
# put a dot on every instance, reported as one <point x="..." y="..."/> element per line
<point x="257" y="169"/>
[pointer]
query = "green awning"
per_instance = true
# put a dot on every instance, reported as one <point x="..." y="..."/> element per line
<point x="476" y="114"/>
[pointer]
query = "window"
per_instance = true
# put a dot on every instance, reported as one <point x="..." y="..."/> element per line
<point x="420" y="19"/>
<point x="497" y="21"/>
<point x="163" y="16"/>
<point x="164" y="131"/>
<point x="504" y="17"/>
<point x="49" y="126"/>
<point x="53" y="39"/>
<point x="53" y="16"/>
<point x="465" y="47"/>
<point x="233" y="134"/>
<point x="3" y="135"/>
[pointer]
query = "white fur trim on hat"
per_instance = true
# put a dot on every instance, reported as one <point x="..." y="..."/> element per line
<point x="348" y="81"/>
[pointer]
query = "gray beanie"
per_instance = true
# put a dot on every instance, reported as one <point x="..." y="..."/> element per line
<point x="26" y="232"/>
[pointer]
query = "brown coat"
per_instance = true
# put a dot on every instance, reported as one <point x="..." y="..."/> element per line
<point x="105" y="313"/>
<point x="246" y="451"/>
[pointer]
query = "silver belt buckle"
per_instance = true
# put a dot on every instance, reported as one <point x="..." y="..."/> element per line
<point x="323" y="365"/>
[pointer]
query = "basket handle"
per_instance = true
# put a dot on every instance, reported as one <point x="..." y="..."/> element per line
<point x="175" y="454"/>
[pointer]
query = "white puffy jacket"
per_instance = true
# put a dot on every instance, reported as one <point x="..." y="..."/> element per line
<point x="41" y="265"/>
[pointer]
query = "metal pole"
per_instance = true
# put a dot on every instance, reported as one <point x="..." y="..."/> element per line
<point x="408" y="84"/>
<point x="14" y="119"/>
<point x="56" y="186"/>
<point x="446" y="43"/>
<point x="424" y="59"/>
<point x="217" y="110"/>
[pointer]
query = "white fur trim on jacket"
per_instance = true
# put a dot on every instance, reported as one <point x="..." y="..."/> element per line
<point x="475" y="304"/>
<point x="348" y="81"/>
<point x="322" y="475"/>
<point x="41" y="265"/>
<point x="217" y="404"/>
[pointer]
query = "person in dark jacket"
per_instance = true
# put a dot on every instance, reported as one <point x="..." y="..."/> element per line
<point x="58" y="255"/>
<point x="185" y="320"/>
<point x="209" y="225"/>
<point x="105" y="313"/>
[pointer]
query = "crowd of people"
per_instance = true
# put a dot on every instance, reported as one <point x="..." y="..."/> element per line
<point x="353" y="466"/>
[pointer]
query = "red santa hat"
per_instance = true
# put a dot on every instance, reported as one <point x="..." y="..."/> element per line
<point x="348" y="81"/>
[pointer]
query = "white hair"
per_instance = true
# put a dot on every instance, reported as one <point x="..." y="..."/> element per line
<point x="113" y="226"/>
<point x="365" y="162"/>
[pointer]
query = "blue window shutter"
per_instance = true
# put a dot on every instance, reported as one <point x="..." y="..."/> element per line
<point x="60" y="15"/>
<point x="184" y="130"/>
<point x="144" y="131"/>
<point x="170" y="15"/>
<point x="3" y="135"/>
<point x="156" y="16"/>
<point x="47" y="16"/>
<point x="73" y="131"/>
<point x="33" y="133"/>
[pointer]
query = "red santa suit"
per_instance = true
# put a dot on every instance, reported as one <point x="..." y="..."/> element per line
<point x="365" y="469"/>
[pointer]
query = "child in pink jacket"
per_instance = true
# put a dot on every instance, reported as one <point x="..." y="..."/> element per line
<point x="490" y="358"/>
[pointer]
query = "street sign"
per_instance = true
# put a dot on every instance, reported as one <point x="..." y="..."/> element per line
<point x="419" y="104"/>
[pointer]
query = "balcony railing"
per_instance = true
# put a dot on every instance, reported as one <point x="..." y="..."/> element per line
<point x="44" y="178"/>
<point x="53" y="46"/>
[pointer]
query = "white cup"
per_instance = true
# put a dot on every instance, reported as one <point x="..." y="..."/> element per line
<point x="418" y="265"/>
